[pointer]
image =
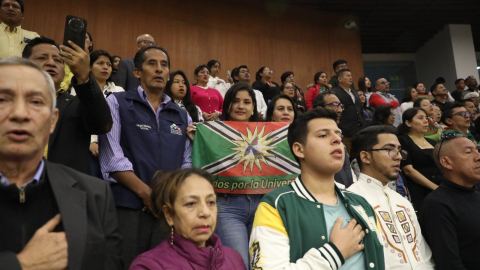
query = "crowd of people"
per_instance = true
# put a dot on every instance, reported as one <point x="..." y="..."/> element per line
<point x="95" y="149"/>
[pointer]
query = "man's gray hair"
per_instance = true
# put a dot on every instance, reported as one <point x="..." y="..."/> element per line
<point x="18" y="61"/>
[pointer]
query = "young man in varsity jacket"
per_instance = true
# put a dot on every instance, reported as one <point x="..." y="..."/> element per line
<point x="311" y="223"/>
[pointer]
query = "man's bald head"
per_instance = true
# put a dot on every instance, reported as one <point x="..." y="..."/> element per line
<point x="382" y="85"/>
<point x="447" y="150"/>
<point x="145" y="40"/>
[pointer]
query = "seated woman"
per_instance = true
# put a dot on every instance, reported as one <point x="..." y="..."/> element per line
<point x="214" y="81"/>
<point x="185" y="201"/>
<point x="208" y="99"/>
<point x="383" y="115"/>
<point x="422" y="174"/>
<point x="288" y="89"/>
<point x="281" y="109"/>
<point x="367" y="111"/>
<point x="409" y="96"/>
<point x="320" y="85"/>
<point x="178" y="88"/>
<point x="264" y="84"/>
<point x="434" y="128"/>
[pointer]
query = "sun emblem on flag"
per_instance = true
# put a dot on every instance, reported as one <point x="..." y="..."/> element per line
<point x="253" y="148"/>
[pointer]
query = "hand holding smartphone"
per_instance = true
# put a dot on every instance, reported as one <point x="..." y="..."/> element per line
<point x="75" y="31"/>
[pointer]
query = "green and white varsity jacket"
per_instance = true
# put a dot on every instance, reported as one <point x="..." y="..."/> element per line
<point x="289" y="231"/>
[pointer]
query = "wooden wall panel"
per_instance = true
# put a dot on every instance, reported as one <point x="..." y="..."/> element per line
<point x="193" y="32"/>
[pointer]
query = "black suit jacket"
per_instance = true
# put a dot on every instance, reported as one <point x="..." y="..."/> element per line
<point x="79" y="117"/>
<point x="352" y="119"/>
<point x="88" y="217"/>
<point x="125" y="77"/>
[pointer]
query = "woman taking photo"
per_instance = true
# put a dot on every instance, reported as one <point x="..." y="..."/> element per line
<point x="209" y="100"/>
<point x="236" y="211"/>
<point x="214" y="81"/>
<point x="178" y="89"/>
<point x="185" y="201"/>
<point x="320" y="85"/>
<point x="434" y="129"/>
<point x="264" y="84"/>
<point x="281" y="109"/>
<point x="422" y="175"/>
<point x="409" y="96"/>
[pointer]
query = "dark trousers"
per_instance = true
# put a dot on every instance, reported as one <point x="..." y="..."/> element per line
<point x="140" y="231"/>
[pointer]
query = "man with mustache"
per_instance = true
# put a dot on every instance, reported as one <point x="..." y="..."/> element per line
<point x="12" y="37"/>
<point x="149" y="133"/>
<point x="378" y="153"/>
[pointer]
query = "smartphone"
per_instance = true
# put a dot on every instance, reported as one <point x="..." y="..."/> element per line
<point x="75" y="31"/>
<point x="228" y="72"/>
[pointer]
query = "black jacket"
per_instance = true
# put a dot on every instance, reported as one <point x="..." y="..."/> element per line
<point x="88" y="219"/>
<point x="79" y="117"/>
<point x="352" y="119"/>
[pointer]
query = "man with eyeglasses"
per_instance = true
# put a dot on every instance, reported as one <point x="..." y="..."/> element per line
<point x="457" y="119"/>
<point x="353" y="118"/>
<point x="382" y="97"/>
<point x="125" y="77"/>
<point x="378" y="153"/>
<point x="328" y="100"/>
<point x="451" y="213"/>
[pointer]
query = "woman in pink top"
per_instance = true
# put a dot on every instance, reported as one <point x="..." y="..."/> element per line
<point x="209" y="100"/>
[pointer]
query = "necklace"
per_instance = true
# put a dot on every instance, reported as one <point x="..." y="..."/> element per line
<point x="421" y="145"/>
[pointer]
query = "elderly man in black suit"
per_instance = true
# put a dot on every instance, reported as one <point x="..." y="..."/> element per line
<point x="51" y="216"/>
<point x="125" y="77"/>
<point x="353" y="118"/>
<point x="79" y="116"/>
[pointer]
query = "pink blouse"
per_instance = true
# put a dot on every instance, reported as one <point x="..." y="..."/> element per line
<point x="209" y="100"/>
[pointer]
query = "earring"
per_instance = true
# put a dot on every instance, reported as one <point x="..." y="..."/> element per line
<point x="171" y="237"/>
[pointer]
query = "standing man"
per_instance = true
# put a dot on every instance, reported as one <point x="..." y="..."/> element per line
<point x="149" y="133"/>
<point x="353" y="118"/>
<point x="242" y="74"/>
<point x="311" y="223"/>
<point x="451" y="213"/>
<point x="460" y="86"/>
<point x="51" y="216"/>
<point x="12" y="37"/>
<point x="382" y="97"/>
<point x="378" y="153"/>
<point x="80" y="116"/>
<point x="472" y="85"/>
<point x="337" y="66"/>
<point x="440" y="94"/>
<point x="125" y="77"/>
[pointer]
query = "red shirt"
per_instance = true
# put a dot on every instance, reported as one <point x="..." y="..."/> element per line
<point x="209" y="100"/>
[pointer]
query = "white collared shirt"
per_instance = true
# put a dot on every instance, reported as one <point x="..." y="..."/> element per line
<point x="404" y="245"/>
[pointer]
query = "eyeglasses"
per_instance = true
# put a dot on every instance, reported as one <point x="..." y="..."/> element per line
<point x="289" y="87"/>
<point x="392" y="152"/>
<point x="462" y="114"/>
<point x="335" y="105"/>
<point x="446" y="137"/>
<point x="148" y="42"/>
<point x="385" y="82"/>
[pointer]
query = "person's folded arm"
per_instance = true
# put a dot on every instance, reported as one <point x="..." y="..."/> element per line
<point x="376" y="100"/>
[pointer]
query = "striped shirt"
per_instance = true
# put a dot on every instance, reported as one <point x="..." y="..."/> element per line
<point x="111" y="154"/>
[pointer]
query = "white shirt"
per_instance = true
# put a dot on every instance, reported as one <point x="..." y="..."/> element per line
<point x="404" y="245"/>
<point x="261" y="105"/>
<point x="218" y="84"/>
